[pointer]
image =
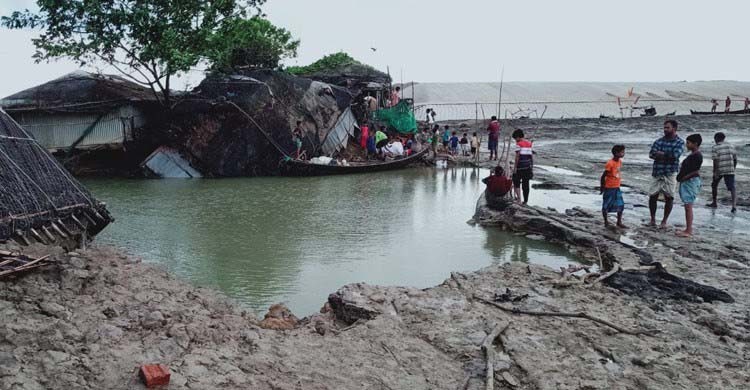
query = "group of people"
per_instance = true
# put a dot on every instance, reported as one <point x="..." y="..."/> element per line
<point x="451" y="143"/>
<point x="499" y="184"/>
<point x="379" y="145"/>
<point x="669" y="176"/>
<point x="727" y="104"/>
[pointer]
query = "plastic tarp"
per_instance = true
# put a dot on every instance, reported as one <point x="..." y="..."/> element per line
<point x="400" y="118"/>
<point x="338" y="136"/>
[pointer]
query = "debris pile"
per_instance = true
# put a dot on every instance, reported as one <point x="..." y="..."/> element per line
<point x="241" y="125"/>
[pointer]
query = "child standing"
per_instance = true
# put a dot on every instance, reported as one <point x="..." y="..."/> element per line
<point x="446" y="138"/>
<point x="523" y="169"/>
<point x="474" y="145"/>
<point x="612" y="201"/>
<point x="690" y="180"/>
<point x="454" y="143"/>
<point x="464" y="145"/>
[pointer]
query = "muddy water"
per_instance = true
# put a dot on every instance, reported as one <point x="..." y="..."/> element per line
<point x="267" y="240"/>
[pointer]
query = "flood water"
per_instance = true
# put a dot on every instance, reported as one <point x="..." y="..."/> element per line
<point x="296" y="240"/>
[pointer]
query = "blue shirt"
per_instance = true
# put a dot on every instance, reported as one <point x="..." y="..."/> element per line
<point x="446" y="136"/>
<point x="454" y="142"/>
<point x="371" y="144"/>
<point x="672" y="149"/>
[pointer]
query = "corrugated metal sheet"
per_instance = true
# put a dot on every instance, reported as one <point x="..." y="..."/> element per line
<point x="167" y="163"/>
<point x="61" y="130"/>
<point x="338" y="136"/>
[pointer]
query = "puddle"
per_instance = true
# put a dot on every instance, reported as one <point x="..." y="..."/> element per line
<point x="559" y="171"/>
<point x="561" y="200"/>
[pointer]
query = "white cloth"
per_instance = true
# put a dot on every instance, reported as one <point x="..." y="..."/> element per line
<point x="663" y="184"/>
<point x="395" y="149"/>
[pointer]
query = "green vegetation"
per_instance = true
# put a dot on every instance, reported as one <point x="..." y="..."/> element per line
<point x="250" y="43"/>
<point x="151" y="41"/>
<point x="329" y="62"/>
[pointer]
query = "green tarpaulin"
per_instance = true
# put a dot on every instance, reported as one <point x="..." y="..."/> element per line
<point x="399" y="118"/>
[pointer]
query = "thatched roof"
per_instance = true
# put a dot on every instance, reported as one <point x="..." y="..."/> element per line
<point x="39" y="199"/>
<point x="78" y="91"/>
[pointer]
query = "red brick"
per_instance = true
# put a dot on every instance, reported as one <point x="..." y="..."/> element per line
<point x="155" y="374"/>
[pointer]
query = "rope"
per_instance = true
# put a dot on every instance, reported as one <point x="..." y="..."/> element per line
<point x="268" y="136"/>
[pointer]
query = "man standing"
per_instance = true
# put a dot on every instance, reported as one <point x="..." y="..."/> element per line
<point x="395" y="98"/>
<point x="727" y="103"/>
<point x="297" y="136"/>
<point x="494" y="136"/>
<point x="725" y="162"/>
<point x="665" y="152"/>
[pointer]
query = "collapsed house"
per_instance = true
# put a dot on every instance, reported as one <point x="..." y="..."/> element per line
<point x="230" y="125"/>
<point x="87" y="120"/>
<point x="354" y="76"/>
<point x="242" y="124"/>
<point x="39" y="200"/>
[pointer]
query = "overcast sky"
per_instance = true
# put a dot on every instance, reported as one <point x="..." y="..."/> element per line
<point x="470" y="40"/>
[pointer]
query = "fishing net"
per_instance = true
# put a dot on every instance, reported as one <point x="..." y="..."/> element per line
<point x="399" y="118"/>
<point x="39" y="199"/>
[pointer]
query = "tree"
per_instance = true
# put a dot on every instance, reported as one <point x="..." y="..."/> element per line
<point x="250" y="43"/>
<point x="329" y="62"/>
<point x="149" y="41"/>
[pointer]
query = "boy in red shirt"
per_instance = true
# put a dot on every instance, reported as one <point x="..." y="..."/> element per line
<point x="612" y="201"/>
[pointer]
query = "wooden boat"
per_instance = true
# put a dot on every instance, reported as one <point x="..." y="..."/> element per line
<point x="735" y="112"/>
<point x="306" y="168"/>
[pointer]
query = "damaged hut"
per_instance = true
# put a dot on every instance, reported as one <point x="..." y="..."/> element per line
<point x="88" y="121"/>
<point x="39" y="200"/>
<point x="368" y="86"/>
<point x="242" y="124"/>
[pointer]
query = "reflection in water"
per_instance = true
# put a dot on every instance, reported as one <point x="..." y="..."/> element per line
<point x="295" y="240"/>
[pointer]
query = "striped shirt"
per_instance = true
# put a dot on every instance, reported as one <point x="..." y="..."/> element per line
<point x="672" y="149"/>
<point x="525" y="154"/>
<point x="723" y="156"/>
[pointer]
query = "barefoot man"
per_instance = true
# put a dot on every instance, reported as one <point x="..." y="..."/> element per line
<point x="665" y="152"/>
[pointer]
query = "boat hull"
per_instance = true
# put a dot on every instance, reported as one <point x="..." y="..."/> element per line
<point x="305" y="168"/>
<point x="735" y="112"/>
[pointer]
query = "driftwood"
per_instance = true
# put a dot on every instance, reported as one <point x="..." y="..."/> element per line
<point x="615" y="268"/>
<point x="454" y="276"/>
<point x="489" y="354"/>
<point x="599" y="255"/>
<point x="23" y="265"/>
<point x="564" y="280"/>
<point x="585" y="315"/>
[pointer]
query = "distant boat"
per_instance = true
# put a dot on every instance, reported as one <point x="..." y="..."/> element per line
<point x="648" y="111"/>
<point x="719" y="112"/>
<point x="306" y="168"/>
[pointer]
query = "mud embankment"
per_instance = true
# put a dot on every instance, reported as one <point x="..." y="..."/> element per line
<point x="90" y="319"/>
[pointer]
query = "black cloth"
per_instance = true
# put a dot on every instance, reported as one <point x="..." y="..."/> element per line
<point x="521" y="179"/>
<point x="690" y="164"/>
<point x="382" y="143"/>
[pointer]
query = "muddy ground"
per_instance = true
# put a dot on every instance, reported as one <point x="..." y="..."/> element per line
<point x="90" y="319"/>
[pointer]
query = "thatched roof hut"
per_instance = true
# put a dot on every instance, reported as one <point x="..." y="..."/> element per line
<point x="39" y="200"/>
<point x="82" y="110"/>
